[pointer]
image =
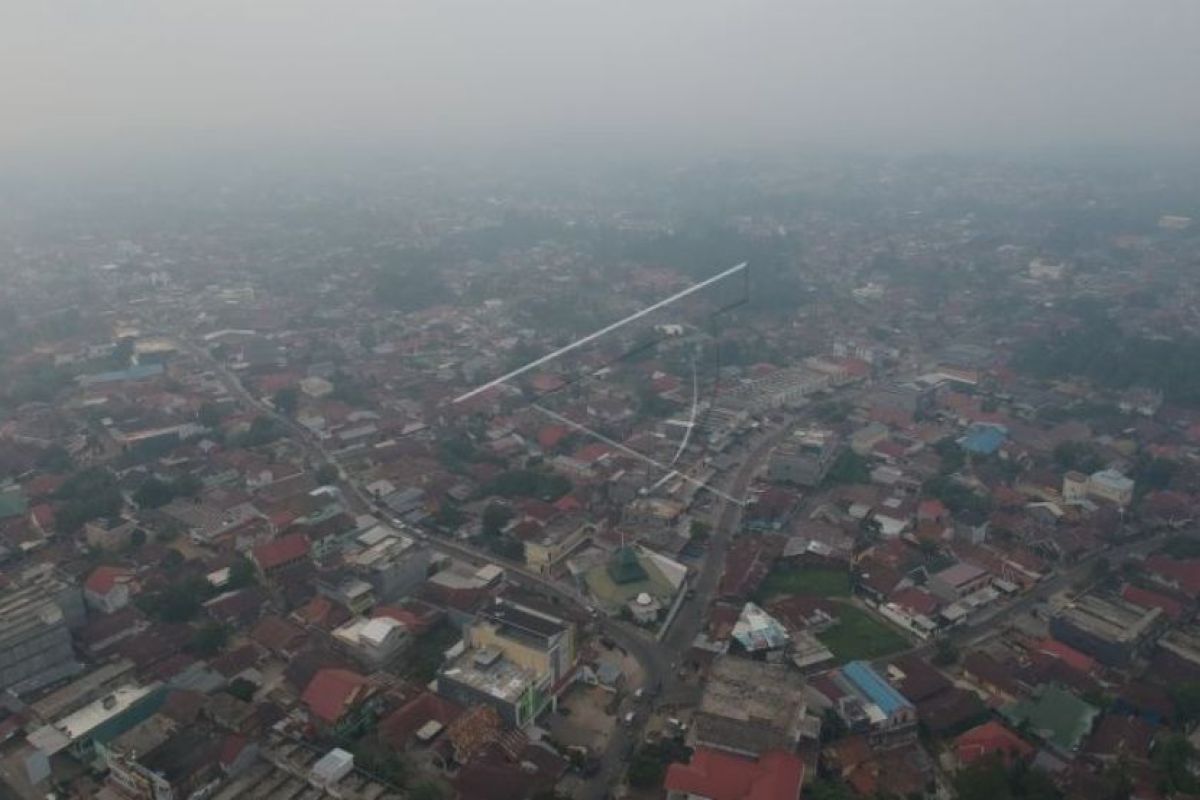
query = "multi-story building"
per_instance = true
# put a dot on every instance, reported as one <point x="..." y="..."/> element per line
<point x="516" y="659"/>
<point x="373" y="642"/>
<point x="957" y="581"/>
<point x="485" y="676"/>
<point x="394" y="564"/>
<point x="532" y="638"/>
<point x="37" y="613"/>
<point x="867" y="704"/>
<point x="1109" y="629"/>
<point x="750" y="708"/>
<point x="558" y="540"/>
<point x="1112" y="486"/>
<point x="804" y="458"/>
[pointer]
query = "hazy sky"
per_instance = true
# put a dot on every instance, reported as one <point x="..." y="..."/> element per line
<point x="923" y="74"/>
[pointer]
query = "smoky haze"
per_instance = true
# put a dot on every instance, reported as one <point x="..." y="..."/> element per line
<point x="927" y="74"/>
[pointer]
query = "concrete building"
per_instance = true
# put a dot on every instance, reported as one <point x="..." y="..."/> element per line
<point x="108" y="534"/>
<point x="37" y="613"/>
<point x="1075" y="487"/>
<point x="750" y="708"/>
<point x="394" y="564"/>
<point x="537" y="641"/>
<point x="484" y="676"/>
<point x="558" y="540"/>
<point x="866" y="703"/>
<point x="100" y="721"/>
<point x="1110" y="485"/>
<point x="957" y="581"/>
<point x="1111" y="630"/>
<point x="909" y="399"/>
<point x="804" y="458"/>
<point x="373" y="642"/>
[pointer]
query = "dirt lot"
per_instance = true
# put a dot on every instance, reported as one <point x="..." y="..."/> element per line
<point x="629" y="666"/>
<point x="587" y="724"/>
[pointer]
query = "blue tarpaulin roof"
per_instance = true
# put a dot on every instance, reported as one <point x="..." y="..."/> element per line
<point x="984" y="439"/>
<point x="877" y="690"/>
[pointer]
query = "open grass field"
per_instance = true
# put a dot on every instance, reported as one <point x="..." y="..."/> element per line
<point x="858" y="635"/>
<point x="783" y="581"/>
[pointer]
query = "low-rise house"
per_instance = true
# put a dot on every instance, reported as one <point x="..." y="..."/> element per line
<point x="1109" y="629"/>
<point x="991" y="739"/>
<point x="958" y="581"/>
<point x="750" y="708"/>
<point x="107" y="589"/>
<point x="373" y="642"/>
<point x="340" y="701"/>
<point x="717" y="775"/>
<point x="1060" y="719"/>
<point x="280" y="554"/>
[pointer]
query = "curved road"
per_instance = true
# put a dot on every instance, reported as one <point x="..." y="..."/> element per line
<point x="659" y="660"/>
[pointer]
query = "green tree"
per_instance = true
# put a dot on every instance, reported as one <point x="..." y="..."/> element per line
<point x="828" y="789"/>
<point x="450" y="516"/>
<point x="173" y="560"/>
<point x="153" y="493"/>
<point x="1174" y="757"/>
<point x="209" y="415"/>
<point x="495" y="517"/>
<point x="208" y="640"/>
<point x="242" y="573"/>
<point x="1079" y="456"/>
<point x="990" y="779"/>
<point x="286" y="400"/>
<point x="953" y="457"/>
<point x="187" y="485"/>
<point x="426" y="790"/>
<point x="945" y="653"/>
<point x="263" y="430"/>
<point x="242" y="689"/>
<point x="833" y="727"/>
<point x="848" y="467"/>
<point x="137" y="538"/>
<point x="327" y="474"/>
<point x="649" y="764"/>
<point x="89" y="494"/>
<point x="699" y="530"/>
<point x="122" y="353"/>
<point x="55" y="459"/>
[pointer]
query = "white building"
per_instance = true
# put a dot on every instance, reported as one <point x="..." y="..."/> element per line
<point x="1110" y="485"/>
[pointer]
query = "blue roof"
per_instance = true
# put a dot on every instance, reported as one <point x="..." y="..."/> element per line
<point x="984" y="439"/>
<point x="134" y="373"/>
<point x="877" y="690"/>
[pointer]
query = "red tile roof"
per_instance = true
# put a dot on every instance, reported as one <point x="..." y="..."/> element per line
<point x="281" y="551"/>
<point x="591" y="453"/>
<point x="549" y="436"/>
<point x="988" y="738"/>
<point x="1148" y="599"/>
<point x="403" y="723"/>
<point x="104" y="579"/>
<point x="1185" y="573"/>
<point x="43" y="515"/>
<point x="916" y="600"/>
<point x="333" y="692"/>
<point x="719" y="776"/>
<point x="1066" y="654"/>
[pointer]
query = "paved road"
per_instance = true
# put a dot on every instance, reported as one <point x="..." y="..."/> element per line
<point x="690" y="619"/>
<point x="991" y="624"/>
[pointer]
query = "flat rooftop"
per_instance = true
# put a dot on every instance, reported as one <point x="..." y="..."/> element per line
<point x="500" y="678"/>
<point x="59" y="735"/>
<point x="754" y="691"/>
<point x="520" y="623"/>
<point x="1111" y="619"/>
